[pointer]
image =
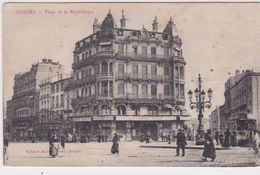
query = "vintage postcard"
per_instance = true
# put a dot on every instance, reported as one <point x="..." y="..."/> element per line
<point x="131" y="84"/>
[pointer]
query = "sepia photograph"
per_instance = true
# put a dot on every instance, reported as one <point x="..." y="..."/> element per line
<point x="131" y="84"/>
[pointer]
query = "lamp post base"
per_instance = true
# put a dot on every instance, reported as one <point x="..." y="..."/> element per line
<point x="200" y="137"/>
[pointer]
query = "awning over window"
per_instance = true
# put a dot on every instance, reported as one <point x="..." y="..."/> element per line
<point x="168" y="106"/>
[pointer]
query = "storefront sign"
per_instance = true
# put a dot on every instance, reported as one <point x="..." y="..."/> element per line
<point x="82" y="119"/>
<point x="145" y="118"/>
<point x="103" y="118"/>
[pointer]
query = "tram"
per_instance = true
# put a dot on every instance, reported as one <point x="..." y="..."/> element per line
<point x="244" y="130"/>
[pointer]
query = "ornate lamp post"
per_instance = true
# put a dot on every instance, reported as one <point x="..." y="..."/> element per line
<point x="200" y="104"/>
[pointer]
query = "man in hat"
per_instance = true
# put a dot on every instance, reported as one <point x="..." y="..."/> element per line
<point x="181" y="142"/>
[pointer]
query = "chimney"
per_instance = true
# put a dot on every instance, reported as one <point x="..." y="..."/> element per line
<point x="155" y="24"/>
<point x="237" y="72"/>
<point x="123" y="20"/>
<point x="44" y="60"/>
<point x="96" y="26"/>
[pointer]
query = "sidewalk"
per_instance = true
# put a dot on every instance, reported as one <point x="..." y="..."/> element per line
<point x="190" y="145"/>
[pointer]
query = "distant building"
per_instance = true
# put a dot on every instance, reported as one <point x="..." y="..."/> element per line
<point x="242" y="99"/>
<point x="51" y="105"/>
<point x="23" y="108"/>
<point x="128" y="81"/>
<point x="216" y="121"/>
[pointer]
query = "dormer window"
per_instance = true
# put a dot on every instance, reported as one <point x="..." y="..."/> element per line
<point x="120" y="32"/>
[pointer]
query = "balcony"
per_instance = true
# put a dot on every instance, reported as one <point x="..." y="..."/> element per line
<point x="86" y="61"/>
<point x="105" y="76"/>
<point x="144" y="77"/>
<point x="142" y="57"/>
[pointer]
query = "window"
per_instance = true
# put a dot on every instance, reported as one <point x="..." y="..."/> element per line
<point x="166" y="90"/>
<point x="104" y="89"/>
<point x="135" y="50"/>
<point x="177" y="90"/>
<point x="181" y="72"/>
<point x="121" y="68"/>
<point x="153" y="51"/>
<point x="104" y="67"/>
<point x="97" y="49"/>
<point x="83" y="56"/>
<point x="154" y="90"/>
<point x="166" y="51"/>
<point x="53" y="88"/>
<point x="52" y="101"/>
<point x="120" y="48"/>
<point x="57" y="101"/>
<point x="57" y="87"/>
<point x="144" y="70"/>
<point x="135" y="70"/>
<point x="144" y="90"/>
<point x="82" y="74"/>
<point x="135" y="89"/>
<point x="78" y="58"/>
<point x="62" y="100"/>
<point x="153" y="70"/>
<point x="89" y="93"/>
<point x="144" y="50"/>
<point x="166" y="70"/>
<point x="177" y="72"/>
<point x="121" y="89"/>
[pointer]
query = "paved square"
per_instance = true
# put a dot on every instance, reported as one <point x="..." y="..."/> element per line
<point x="131" y="154"/>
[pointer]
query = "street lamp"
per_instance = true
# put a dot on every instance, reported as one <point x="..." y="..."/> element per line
<point x="200" y="104"/>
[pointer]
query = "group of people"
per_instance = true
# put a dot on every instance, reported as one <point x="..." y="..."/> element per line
<point x="226" y="140"/>
<point x="209" y="148"/>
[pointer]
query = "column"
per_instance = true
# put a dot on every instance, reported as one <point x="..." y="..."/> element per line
<point x="108" y="89"/>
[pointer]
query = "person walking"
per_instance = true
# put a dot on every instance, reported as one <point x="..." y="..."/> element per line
<point x="256" y="141"/>
<point x="227" y="138"/>
<point x="233" y="138"/>
<point x="62" y="141"/>
<point x="209" y="148"/>
<point x="221" y="139"/>
<point x="217" y="136"/>
<point x="181" y="143"/>
<point x="115" y="146"/>
<point x="50" y="143"/>
<point x="54" y="146"/>
<point x="169" y="138"/>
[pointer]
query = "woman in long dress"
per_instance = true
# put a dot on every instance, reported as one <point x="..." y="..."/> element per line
<point x="54" y="146"/>
<point x="209" y="148"/>
<point x="115" y="146"/>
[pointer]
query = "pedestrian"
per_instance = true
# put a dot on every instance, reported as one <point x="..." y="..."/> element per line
<point x="6" y="143"/>
<point x="256" y="142"/>
<point x="217" y="136"/>
<point x="181" y="143"/>
<point x="106" y="138"/>
<point x="62" y="141"/>
<point x="209" y="148"/>
<point x="88" y="137"/>
<point x="50" y="143"/>
<point x="233" y="138"/>
<point x="169" y="138"/>
<point x="115" y="146"/>
<point x="74" y="137"/>
<point x="54" y="146"/>
<point x="227" y="138"/>
<point x="221" y="139"/>
<point x="98" y="138"/>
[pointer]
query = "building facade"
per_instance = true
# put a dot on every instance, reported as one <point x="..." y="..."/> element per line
<point x="242" y="98"/>
<point x="216" y="120"/>
<point x="23" y="108"/>
<point x="128" y="81"/>
<point x="51" y="105"/>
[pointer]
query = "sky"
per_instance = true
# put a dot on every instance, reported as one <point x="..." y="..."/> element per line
<point x="216" y="36"/>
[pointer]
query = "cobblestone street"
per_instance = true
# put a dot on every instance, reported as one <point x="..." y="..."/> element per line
<point x="131" y="154"/>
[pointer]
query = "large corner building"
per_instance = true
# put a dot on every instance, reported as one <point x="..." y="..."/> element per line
<point x="128" y="81"/>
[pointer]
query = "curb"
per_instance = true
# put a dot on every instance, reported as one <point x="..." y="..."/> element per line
<point x="187" y="147"/>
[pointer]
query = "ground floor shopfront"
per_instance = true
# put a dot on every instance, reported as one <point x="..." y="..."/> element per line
<point x="128" y="127"/>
